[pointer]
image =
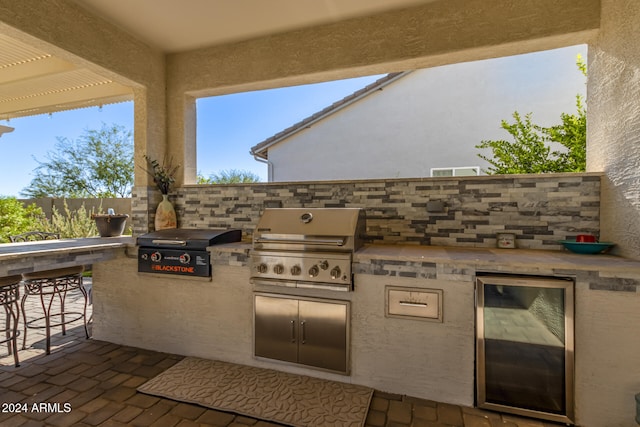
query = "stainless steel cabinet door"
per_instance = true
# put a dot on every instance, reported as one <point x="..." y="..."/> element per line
<point x="323" y="335"/>
<point x="276" y="328"/>
<point x="304" y="331"/>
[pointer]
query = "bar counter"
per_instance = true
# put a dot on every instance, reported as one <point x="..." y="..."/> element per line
<point x="26" y="257"/>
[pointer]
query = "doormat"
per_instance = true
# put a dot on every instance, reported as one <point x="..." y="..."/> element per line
<point x="265" y="394"/>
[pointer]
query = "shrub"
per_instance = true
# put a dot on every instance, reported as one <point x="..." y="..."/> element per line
<point x="69" y="224"/>
<point x="15" y="218"/>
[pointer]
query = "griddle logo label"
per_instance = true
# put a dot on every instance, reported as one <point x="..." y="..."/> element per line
<point x="173" y="268"/>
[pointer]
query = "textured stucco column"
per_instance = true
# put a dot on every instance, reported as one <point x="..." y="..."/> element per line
<point x="181" y="109"/>
<point x="613" y="97"/>
<point x="149" y="130"/>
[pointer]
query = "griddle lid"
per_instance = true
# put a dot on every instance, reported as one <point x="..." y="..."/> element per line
<point x="196" y="238"/>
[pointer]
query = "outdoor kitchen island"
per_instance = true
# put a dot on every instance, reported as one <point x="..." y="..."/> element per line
<point x="213" y="318"/>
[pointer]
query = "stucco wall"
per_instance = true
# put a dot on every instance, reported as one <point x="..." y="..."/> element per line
<point x="614" y="122"/>
<point x="432" y="118"/>
<point x="431" y="360"/>
<point x="607" y="348"/>
<point x="173" y="314"/>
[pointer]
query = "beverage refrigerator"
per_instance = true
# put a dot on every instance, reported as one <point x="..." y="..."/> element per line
<point x="525" y="346"/>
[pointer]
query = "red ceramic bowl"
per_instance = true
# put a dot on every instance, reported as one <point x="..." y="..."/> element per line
<point x="585" y="238"/>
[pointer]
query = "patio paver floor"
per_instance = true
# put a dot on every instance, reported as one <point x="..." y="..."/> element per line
<point x="93" y="383"/>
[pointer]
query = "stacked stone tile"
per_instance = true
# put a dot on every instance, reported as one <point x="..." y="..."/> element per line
<point x="539" y="209"/>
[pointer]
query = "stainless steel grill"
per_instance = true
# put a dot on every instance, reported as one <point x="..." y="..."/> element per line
<point x="307" y="247"/>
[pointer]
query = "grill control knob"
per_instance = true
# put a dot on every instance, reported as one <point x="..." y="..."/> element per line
<point x="278" y="269"/>
<point x="156" y="256"/>
<point x="262" y="268"/>
<point x="314" y="271"/>
<point x="335" y="272"/>
<point x="185" y="258"/>
<point x="324" y="265"/>
<point x="296" y="270"/>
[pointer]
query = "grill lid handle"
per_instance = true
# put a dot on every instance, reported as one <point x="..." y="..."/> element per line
<point x="307" y="241"/>
<point x="169" y="242"/>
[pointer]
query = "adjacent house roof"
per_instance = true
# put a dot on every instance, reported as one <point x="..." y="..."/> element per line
<point x="260" y="151"/>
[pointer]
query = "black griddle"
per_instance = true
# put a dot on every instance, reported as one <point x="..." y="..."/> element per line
<point x="189" y="238"/>
<point x="181" y="250"/>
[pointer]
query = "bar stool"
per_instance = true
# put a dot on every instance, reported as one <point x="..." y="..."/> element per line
<point x="50" y="286"/>
<point x="9" y="295"/>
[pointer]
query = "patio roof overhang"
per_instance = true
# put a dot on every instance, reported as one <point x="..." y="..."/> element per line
<point x="34" y="82"/>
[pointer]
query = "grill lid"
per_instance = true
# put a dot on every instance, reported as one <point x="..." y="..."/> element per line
<point x="189" y="238"/>
<point x="336" y="229"/>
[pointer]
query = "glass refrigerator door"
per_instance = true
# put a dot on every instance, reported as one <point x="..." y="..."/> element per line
<point x="525" y="346"/>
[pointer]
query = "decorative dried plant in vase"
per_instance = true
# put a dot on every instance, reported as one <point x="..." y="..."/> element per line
<point x="164" y="176"/>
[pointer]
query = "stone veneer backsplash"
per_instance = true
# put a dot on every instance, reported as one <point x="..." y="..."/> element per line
<point x="538" y="209"/>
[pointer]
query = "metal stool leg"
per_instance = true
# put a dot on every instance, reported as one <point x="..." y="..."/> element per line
<point x="9" y="296"/>
<point x="24" y="319"/>
<point x="7" y="328"/>
<point x="83" y="290"/>
<point x="47" y="320"/>
<point x="14" y="334"/>
<point x="62" y="296"/>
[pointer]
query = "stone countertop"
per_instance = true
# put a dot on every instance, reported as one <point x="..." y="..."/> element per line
<point x="26" y="257"/>
<point x="491" y="259"/>
<point x="494" y="259"/>
<point x="502" y="259"/>
<point x="43" y="247"/>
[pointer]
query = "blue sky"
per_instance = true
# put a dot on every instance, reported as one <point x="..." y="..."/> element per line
<point x="228" y="126"/>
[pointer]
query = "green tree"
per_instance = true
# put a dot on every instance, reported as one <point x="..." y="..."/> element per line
<point x="572" y="134"/>
<point x="15" y="218"/>
<point x="528" y="153"/>
<point x="531" y="150"/>
<point x="231" y="176"/>
<point x="98" y="164"/>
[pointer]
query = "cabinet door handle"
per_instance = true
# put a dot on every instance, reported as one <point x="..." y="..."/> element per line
<point x="304" y="335"/>
<point x="293" y="331"/>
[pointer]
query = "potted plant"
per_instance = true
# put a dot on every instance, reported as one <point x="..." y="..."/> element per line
<point x="110" y="224"/>
<point x="164" y="177"/>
